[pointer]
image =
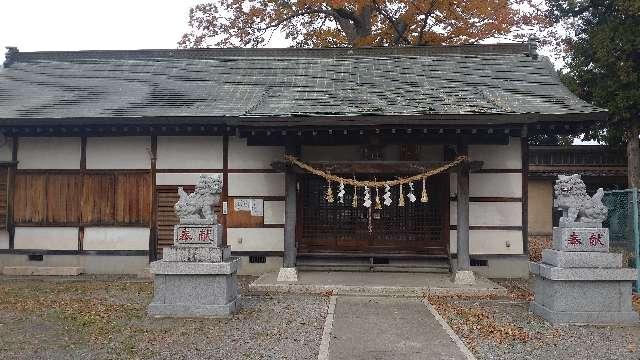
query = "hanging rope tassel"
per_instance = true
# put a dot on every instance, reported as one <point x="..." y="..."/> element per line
<point x="424" y="198"/>
<point x="401" y="197"/>
<point x="378" y="204"/>
<point x="354" y="203"/>
<point x="329" y="195"/>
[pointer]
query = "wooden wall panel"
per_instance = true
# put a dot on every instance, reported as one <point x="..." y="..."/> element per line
<point x="133" y="199"/>
<point x="4" y="177"/>
<point x="98" y="199"/>
<point x="242" y="219"/>
<point x="29" y="198"/>
<point x="167" y="197"/>
<point x="63" y="194"/>
<point x="76" y="199"/>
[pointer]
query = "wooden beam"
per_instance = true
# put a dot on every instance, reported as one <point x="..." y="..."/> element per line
<point x="291" y="194"/>
<point x="524" y="146"/>
<point x="11" y="185"/>
<point x="225" y="184"/>
<point x="462" y="232"/>
<point x="83" y="169"/>
<point x="153" y="219"/>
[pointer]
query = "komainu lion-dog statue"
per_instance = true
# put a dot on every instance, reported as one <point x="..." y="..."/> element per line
<point x="578" y="209"/>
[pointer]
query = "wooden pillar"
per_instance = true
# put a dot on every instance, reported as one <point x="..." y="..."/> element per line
<point x="290" y="209"/>
<point x="462" y="229"/>
<point x="524" y="146"/>
<point x="153" y="218"/>
<point x="11" y="184"/>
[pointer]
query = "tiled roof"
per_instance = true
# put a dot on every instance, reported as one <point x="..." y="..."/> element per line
<point x="428" y="82"/>
<point x="586" y="160"/>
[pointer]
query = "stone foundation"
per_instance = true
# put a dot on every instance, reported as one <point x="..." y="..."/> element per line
<point x="580" y="282"/>
<point x="196" y="277"/>
<point x="194" y="289"/>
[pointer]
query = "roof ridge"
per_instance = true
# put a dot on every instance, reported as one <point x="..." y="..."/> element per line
<point x="210" y="53"/>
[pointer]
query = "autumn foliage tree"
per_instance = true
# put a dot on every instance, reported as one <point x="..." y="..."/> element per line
<point x="321" y="23"/>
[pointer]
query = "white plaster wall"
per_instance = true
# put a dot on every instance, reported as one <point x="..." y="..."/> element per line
<point x="242" y="156"/>
<point x="6" y="149"/>
<point x="274" y="212"/>
<point x="498" y="156"/>
<point x="49" y="153"/>
<point x="4" y="239"/>
<point x="256" y="239"/>
<point x="490" y="213"/>
<point x="46" y="238"/>
<point x="273" y="264"/>
<point x="487" y="242"/>
<point x="115" y="238"/>
<point x="180" y="178"/>
<point x="189" y="152"/>
<point x="256" y="184"/>
<point x="331" y="153"/>
<point x="126" y="152"/>
<point x="490" y="184"/>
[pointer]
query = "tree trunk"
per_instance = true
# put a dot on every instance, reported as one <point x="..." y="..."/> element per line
<point x="633" y="157"/>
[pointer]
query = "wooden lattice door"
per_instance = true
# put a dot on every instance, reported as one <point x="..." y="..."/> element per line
<point x="416" y="228"/>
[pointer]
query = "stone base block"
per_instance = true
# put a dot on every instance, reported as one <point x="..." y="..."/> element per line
<point x="580" y="239"/>
<point x="581" y="259"/>
<point x="194" y="268"/>
<point x="198" y="234"/>
<point x="574" y="301"/>
<point x="584" y="317"/>
<point x="288" y="275"/>
<point x="42" y="270"/>
<point x="184" y="310"/>
<point x="196" y="253"/>
<point x="582" y="274"/>
<point x="464" y="277"/>
<point x="192" y="295"/>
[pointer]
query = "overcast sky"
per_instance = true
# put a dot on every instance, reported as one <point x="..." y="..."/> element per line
<point x="34" y="25"/>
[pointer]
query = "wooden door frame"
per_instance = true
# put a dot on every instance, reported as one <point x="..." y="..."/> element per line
<point x="445" y="217"/>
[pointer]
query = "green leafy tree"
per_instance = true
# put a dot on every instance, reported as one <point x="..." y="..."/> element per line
<point x="601" y="39"/>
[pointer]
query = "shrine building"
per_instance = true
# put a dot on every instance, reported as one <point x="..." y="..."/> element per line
<point x="94" y="145"/>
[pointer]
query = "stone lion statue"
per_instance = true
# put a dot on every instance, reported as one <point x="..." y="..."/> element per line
<point x="197" y="207"/>
<point x="577" y="207"/>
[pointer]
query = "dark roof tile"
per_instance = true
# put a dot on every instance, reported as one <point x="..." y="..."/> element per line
<point x="489" y="79"/>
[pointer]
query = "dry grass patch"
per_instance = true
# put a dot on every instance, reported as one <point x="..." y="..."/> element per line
<point x="98" y="311"/>
<point x="473" y="323"/>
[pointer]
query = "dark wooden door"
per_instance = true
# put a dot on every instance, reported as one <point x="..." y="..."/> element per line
<point x="417" y="228"/>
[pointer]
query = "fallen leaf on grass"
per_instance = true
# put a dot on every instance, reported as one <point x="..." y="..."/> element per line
<point x="472" y="322"/>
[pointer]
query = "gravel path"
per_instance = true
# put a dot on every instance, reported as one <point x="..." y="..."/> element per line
<point x="503" y="328"/>
<point x="105" y="319"/>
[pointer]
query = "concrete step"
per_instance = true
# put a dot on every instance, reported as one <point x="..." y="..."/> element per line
<point x="374" y="264"/>
<point x="42" y="270"/>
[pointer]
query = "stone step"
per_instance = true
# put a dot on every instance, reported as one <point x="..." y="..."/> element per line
<point x="426" y="265"/>
<point x="42" y="270"/>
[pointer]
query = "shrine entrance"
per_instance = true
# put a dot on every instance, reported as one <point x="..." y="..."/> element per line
<point x="340" y="229"/>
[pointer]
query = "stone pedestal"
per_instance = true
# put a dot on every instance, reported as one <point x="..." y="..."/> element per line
<point x="288" y="274"/>
<point x="464" y="277"/>
<point x="196" y="277"/>
<point x="580" y="282"/>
